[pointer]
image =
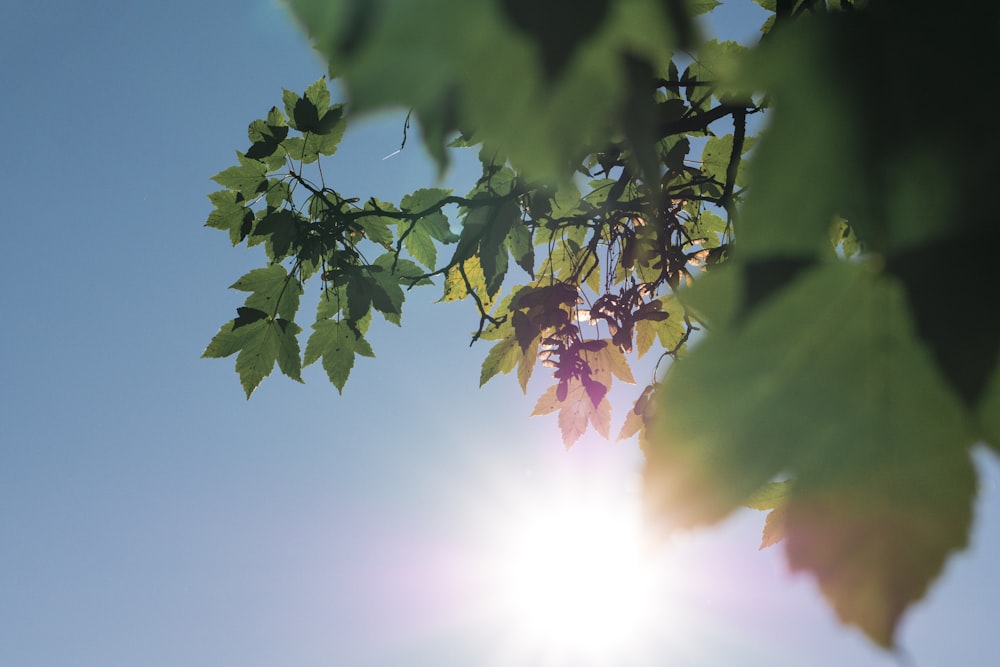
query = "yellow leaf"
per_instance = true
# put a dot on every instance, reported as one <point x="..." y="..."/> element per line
<point x="455" y="288"/>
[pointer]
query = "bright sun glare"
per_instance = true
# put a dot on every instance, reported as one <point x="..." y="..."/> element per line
<point x="573" y="580"/>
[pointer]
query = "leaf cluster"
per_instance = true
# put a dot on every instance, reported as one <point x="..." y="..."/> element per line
<point x="846" y="355"/>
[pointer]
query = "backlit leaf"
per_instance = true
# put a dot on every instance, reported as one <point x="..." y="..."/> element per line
<point x="230" y="214"/>
<point x="424" y="200"/>
<point x="502" y="358"/>
<point x="260" y="344"/>
<point x="337" y="344"/>
<point x="838" y="341"/>
<point x="576" y="412"/>
<point x="247" y="178"/>
<point x="272" y="289"/>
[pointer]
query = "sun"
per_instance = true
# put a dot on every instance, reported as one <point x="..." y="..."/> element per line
<point x="573" y="579"/>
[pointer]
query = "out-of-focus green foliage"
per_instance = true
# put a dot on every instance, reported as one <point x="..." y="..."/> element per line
<point x="847" y="351"/>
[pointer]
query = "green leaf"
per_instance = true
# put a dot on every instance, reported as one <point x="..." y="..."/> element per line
<point x="337" y="343"/>
<point x="716" y="298"/>
<point x="247" y="316"/>
<point x="266" y="138"/>
<point x="837" y="342"/>
<point x="437" y="226"/>
<point x="498" y="182"/>
<point x="331" y="129"/>
<point x="374" y="286"/>
<point x="424" y="200"/>
<point x="420" y="234"/>
<point x="272" y="289"/>
<point x="276" y="119"/>
<point x="716" y="155"/>
<point x="377" y="230"/>
<point x="283" y="229"/>
<point x="769" y="496"/>
<point x="230" y="214"/>
<point x="493" y="258"/>
<point x="289" y="99"/>
<point x="229" y="340"/>
<point x="312" y="113"/>
<point x="519" y="242"/>
<point x="670" y="331"/>
<point x="278" y="192"/>
<point x="720" y="63"/>
<point x="577" y="21"/>
<point x="318" y="94"/>
<point x="309" y="147"/>
<point x="401" y="270"/>
<point x="260" y="343"/>
<point x="388" y="298"/>
<point x="427" y="57"/>
<point x="502" y="358"/>
<point x="708" y="229"/>
<point x="526" y="365"/>
<point x="248" y="178"/>
<point x="699" y="7"/>
<point x="419" y="244"/>
<point x="813" y="162"/>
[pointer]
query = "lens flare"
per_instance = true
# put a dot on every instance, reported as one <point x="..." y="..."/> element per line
<point x="573" y="581"/>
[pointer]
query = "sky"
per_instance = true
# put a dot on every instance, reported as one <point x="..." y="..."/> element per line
<point x="151" y="515"/>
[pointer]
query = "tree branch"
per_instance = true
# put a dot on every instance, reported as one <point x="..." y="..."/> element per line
<point x="732" y="169"/>
<point x="700" y="121"/>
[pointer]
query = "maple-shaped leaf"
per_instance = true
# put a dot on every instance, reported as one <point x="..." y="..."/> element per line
<point x="260" y="341"/>
<point x="230" y="214"/>
<point x="337" y="343"/>
<point x="576" y="411"/>
<point x="419" y="234"/>
<point x="419" y="243"/>
<point x="272" y="289"/>
<point x="424" y="200"/>
<point x="455" y="287"/>
<point x="373" y="286"/>
<point x="670" y="330"/>
<point x="607" y="361"/>
<point x="707" y="228"/>
<point x="876" y="550"/>
<point x="715" y="161"/>
<point x="247" y="179"/>
<point x="267" y="138"/>
<point x="284" y="229"/>
<point x="825" y="381"/>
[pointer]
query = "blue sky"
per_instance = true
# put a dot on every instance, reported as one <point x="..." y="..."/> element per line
<point x="150" y="515"/>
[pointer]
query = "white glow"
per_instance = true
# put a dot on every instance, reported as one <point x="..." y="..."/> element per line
<point x="572" y="580"/>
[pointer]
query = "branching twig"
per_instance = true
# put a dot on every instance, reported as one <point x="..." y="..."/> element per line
<point x="406" y="126"/>
<point x="484" y="316"/>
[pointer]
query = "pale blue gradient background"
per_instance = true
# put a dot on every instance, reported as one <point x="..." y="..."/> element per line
<point x="150" y="516"/>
